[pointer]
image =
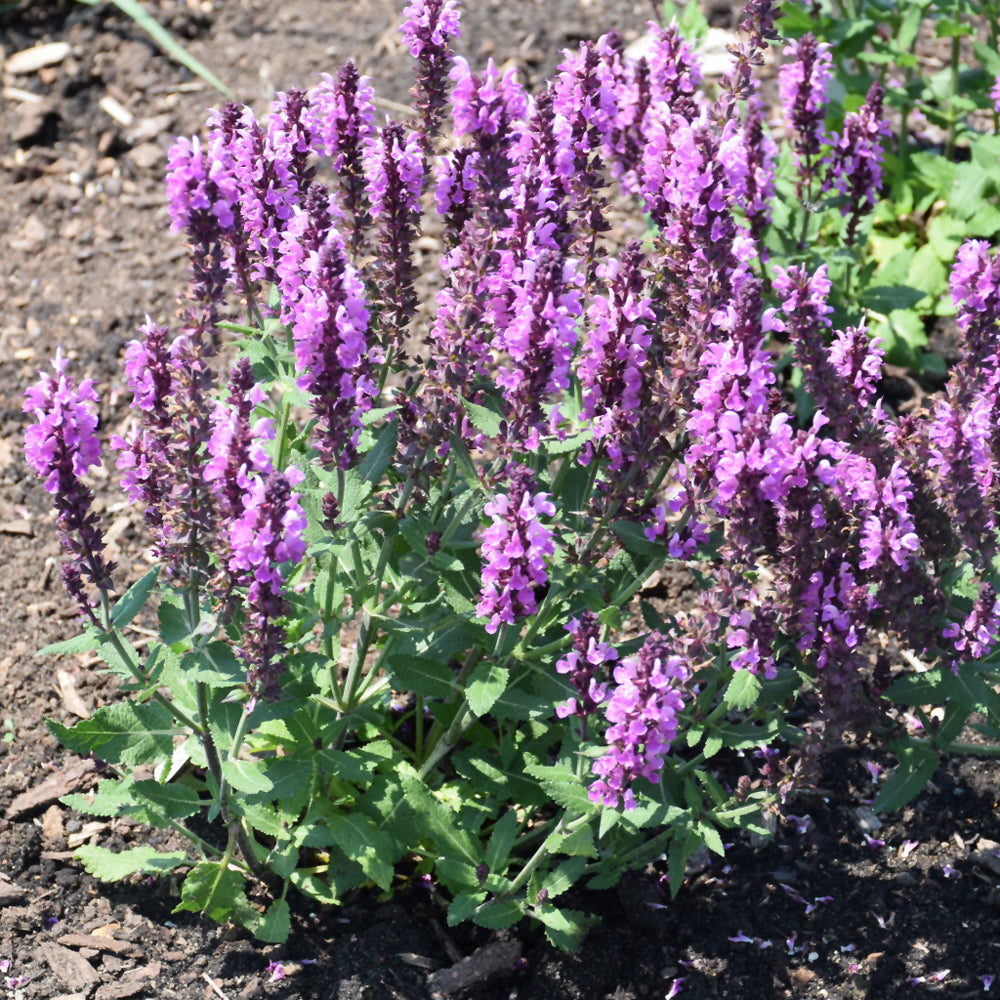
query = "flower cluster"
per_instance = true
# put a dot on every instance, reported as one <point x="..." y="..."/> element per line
<point x="515" y="547"/>
<point x="583" y="665"/>
<point x="642" y="710"/>
<point x="61" y="446"/>
<point x="802" y="87"/>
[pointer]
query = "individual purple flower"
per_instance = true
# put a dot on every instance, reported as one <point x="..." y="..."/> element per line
<point x="395" y="173"/>
<point x="995" y="95"/>
<point x="277" y="971"/>
<point x="855" y="163"/>
<point x="427" y="31"/>
<point x="269" y="530"/>
<point x="584" y="663"/>
<point x="802" y="87"/>
<point x="515" y="548"/>
<point x="61" y="446"/>
<point x="643" y="710"/>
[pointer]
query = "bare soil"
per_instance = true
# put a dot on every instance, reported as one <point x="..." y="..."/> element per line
<point x="86" y="253"/>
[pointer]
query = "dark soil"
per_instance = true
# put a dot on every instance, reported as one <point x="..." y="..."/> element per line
<point x="86" y="253"/>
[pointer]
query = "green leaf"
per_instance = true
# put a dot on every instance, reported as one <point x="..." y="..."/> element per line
<point x="884" y="298"/>
<point x="174" y="626"/>
<point x="112" y="866"/>
<point x="564" y="877"/>
<point x="275" y="924"/>
<point x="122" y="733"/>
<point x="682" y="845"/>
<point x="247" y="776"/>
<point x="563" y="928"/>
<point x="82" y="643"/>
<point x="497" y="916"/>
<point x="487" y="683"/>
<point x="217" y="892"/>
<point x="463" y="906"/>
<point x="431" y="678"/>
<point x="562" y="786"/>
<point x="924" y="688"/>
<point x="134" y="598"/>
<point x="372" y="467"/>
<point x="501" y="841"/>
<point x="945" y="234"/>
<point x="363" y="842"/>
<point x="742" y="691"/>
<point x="483" y="419"/>
<point x="437" y="819"/>
<point x="214" y="664"/>
<point x="713" y="744"/>
<point x="917" y="762"/>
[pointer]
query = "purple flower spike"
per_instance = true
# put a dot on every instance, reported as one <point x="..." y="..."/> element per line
<point x="427" y="31"/>
<point x="539" y="340"/>
<point x="855" y="167"/>
<point x="802" y="86"/>
<point x="62" y="446"/>
<point x="643" y="712"/>
<point x="582" y="664"/>
<point x="268" y="531"/>
<point x="515" y="547"/>
<point x="329" y="321"/>
<point x="343" y="113"/>
<point x="395" y="175"/>
<point x="236" y="445"/>
<point x="975" y="290"/>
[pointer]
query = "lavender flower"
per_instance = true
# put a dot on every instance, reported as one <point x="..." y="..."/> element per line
<point x="643" y="711"/>
<point x="514" y="548"/>
<point x="61" y="446"/>
<point x="427" y="30"/>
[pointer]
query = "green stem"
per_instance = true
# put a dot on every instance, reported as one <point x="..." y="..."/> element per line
<point x="282" y="434"/>
<point x="952" y="94"/>
<point x="158" y="696"/>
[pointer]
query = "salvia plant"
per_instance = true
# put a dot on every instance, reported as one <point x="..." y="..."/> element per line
<point x="403" y="535"/>
<point x="925" y="142"/>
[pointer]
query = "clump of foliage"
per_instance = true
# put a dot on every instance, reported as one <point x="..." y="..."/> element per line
<point x="398" y="533"/>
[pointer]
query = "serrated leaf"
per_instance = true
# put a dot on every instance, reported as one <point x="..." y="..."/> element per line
<point x="487" y="683"/>
<point x="563" y="928"/>
<point x="562" y="786"/>
<point x="134" y="598"/>
<point x="214" y="664"/>
<point x="711" y="838"/>
<point x="431" y="678"/>
<point x="215" y="891"/>
<point x="742" y="691"/>
<point x="247" y="776"/>
<point x="564" y="877"/>
<point x="713" y="744"/>
<point x="123" y="733"/>
<point x="497" y="916"/>
<point x="682" y="845"/>
<point x="501" y="841"/>
<point x="483" y="419"/>
<point x="112" y="866"/>
<point x="917" y="762"/>
<point x="363" y="842"/>
<point x="174" y="626"/>
<point x="83" y="643"/>
<point x="463" y="906"/>
<point x="438" y="819"/>
<point x="275" y="923"/>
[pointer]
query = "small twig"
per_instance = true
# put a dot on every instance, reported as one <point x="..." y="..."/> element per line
<point x="208" y="980"/>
